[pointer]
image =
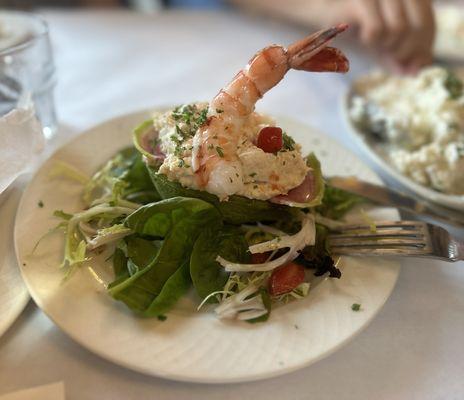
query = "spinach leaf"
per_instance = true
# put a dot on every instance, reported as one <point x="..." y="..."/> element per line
<point x="207" y="274"/>
<point x="237" y="210"/>
<point x="132" y="254"/>
<point x="119" y="266"/>
<point x="179" y="221"/>
<point x="142" y="251"/>
<point x="174" y="288"/>
<point x="336" y="203"/>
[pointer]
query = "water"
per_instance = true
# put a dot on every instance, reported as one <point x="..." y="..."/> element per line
<point x="27" y="70"/>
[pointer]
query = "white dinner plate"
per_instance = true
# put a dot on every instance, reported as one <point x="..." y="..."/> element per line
<point x="189" y="345"/>
<point x="378" y="159"/>
<point x="13" y="292"/>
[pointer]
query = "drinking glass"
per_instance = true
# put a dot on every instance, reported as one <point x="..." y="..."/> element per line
<point x="27" y="72"/>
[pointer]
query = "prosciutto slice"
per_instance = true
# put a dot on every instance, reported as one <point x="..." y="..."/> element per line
<point x="151" y="146"/>
<point x="302" y="194"/>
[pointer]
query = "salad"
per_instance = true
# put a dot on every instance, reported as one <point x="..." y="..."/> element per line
<point x="215" y="197"/>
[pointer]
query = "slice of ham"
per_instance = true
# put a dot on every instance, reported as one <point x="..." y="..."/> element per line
<point x="147" y="140"/>
<point x="304" y="193"/>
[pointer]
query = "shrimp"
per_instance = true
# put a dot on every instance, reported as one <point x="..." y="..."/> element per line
<point x="214" y="154"/>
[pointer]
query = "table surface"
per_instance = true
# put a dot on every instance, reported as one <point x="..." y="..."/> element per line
<point x="111" y="63"/>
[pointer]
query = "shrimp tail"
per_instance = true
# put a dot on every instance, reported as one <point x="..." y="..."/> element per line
<point x="301" y="52"/>
<point x="328" y="59"/>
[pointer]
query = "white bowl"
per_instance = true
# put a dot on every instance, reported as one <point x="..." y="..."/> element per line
<point x="378" y="159"/>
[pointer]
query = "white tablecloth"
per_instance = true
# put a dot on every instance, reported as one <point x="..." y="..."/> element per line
<point x="111" y="63"/>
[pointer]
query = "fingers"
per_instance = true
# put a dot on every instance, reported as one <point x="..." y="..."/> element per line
<point x="372" y="24"/>
<point x="404" y="29"/>
<point x="396" y="22"/>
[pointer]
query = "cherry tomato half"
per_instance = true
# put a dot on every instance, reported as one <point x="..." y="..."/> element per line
<point x="270" y="139"/>
<point x="286" y="278"/>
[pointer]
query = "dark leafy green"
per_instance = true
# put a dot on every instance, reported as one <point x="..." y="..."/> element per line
<point x="179" y="221"/>
<point x="237" y="210"/>
<point x="207" y="274"/>
<point x="133" y="254"/>
<point x="131" y="175"/>
<point x="175" y="287"/>
<point x="336" y="202"/>
<point x="318" y="257"/>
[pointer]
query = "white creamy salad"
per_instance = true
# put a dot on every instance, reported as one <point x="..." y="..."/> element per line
<point x="256" y="174"/>
<point x="421" y="119"/>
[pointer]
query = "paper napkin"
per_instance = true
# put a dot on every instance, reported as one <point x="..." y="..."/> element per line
<point x="53" y="391"/>
<point x="21" y="140"/>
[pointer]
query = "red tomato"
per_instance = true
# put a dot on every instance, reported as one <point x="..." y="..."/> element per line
<point x="270" y="139"/>
<point x="286" y="278"/>
<point x="260" y="258"/>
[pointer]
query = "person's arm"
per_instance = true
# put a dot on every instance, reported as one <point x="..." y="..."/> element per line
<point x="403" y="29"/>
<point x="305" y="12"/>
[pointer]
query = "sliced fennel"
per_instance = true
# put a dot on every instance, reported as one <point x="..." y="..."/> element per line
<point x="80" y="235"/>
<point x="295" y="243"/>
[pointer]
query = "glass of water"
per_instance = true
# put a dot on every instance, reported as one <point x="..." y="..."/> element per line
<point x="27" y="72"/>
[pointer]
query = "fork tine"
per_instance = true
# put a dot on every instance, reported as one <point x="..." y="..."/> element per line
<point x="375" y="241"/>
<point x="398" y="238"/>
<point x="388" y="251"/>
<point x="377" y="234"/>
<point x="383" y="225"/>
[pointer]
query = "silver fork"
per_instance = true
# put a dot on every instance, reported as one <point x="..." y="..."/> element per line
<point x="399" y="238"/>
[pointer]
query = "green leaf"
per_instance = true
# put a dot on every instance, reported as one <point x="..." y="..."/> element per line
<point x="237" y="210"/>
<point x="207" y="274"/>
<point x="336" y="203"/>
<point x="182" y="220"/>
<point x="123" y="176"/>
<point x="119" y="267"/>
<point x="142" y="252"/>
<point x="315" y="165"/>
<point x="267" y="303"/>
<point x="174" y="288"/>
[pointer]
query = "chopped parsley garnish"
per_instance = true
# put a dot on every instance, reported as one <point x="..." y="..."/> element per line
<point x="162" y="318"/>
<point x="220" y="151"/>
<point x="189" y="118"/>
<point x="219" y="111"/>
<point x="231" y="180"/>
<point x="453" y="85"/>
<point x="288" y="142"/>
<point x="40" y="204"/>
<point x="211" y="146"/>
<point x="181" y="163"/>
<point x="356" y="307"/>
<point x="253" y="174"/>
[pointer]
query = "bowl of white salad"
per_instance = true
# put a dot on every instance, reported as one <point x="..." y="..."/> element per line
<point x="412" y="128"/>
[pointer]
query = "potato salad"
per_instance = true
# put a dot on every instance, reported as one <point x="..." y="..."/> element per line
<point x="421" y="121"/>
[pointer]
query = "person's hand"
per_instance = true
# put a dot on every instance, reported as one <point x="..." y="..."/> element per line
<point x="403" y="29"/>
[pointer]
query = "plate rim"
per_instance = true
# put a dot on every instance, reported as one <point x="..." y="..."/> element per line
<point x="182" y="377"/>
